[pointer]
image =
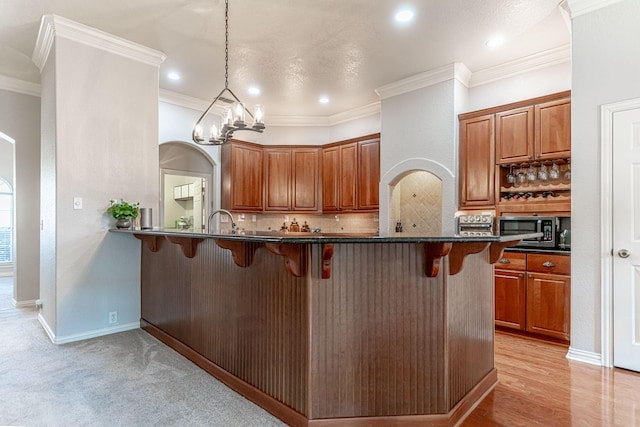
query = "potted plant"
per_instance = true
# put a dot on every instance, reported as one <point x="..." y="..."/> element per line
<point x="123" y="212"/>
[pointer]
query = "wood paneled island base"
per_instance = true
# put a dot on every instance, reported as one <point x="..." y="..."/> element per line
<point x="356" y="336"/>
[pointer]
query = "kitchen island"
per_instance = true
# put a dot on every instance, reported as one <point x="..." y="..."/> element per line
<point x="330" y="330"/>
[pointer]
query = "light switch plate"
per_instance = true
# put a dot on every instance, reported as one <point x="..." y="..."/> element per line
<point x="77" y="203"/>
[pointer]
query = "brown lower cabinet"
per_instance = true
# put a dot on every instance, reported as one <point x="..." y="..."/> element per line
<point x="533" y="294"/>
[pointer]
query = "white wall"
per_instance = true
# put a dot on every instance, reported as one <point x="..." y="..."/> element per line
<point x="100" y="142"/>
<point x="20" y="119"/>
<point x="418" y="132"/>
<point x="606" y="66"/>
<point x="545" y="81"/>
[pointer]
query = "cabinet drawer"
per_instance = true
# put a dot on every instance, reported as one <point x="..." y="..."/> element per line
<point x="548" y="263"/>
<point x="512" y="261"/>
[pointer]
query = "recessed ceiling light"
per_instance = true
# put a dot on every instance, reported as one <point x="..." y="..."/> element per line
<point x="495" y="41"/>
<point x="173" y="76"/>
<point x="323" y="100"/>
<point x="404" y="15"/>
<point x="254" y="90"/>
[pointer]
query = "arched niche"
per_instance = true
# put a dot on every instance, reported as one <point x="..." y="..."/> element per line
<point x="186" y="166"/>
<point x="448" y="192"/>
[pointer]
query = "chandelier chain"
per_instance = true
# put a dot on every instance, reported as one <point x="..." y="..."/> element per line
<point x="234" y="117"/>
<point x="226" y="43"/>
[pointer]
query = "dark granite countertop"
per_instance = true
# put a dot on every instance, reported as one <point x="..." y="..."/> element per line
<point x="301" y="237"/>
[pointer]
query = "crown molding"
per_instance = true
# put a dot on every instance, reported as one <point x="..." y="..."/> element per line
<point x="526" y="64"/>
<point x="462" y="73"/>
<point x="419" y="81"/>
<point x="581" y="7"/>
<point x="44" y="42"/>
<point x="52" y="26"/>
<point x="198" y="104"/>
<point x="321" y="121"/>
<point x="187" y="101"/>
<point x="19" y="86"/>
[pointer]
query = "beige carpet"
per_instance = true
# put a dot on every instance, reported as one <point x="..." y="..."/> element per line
<point x="125" y="379"/>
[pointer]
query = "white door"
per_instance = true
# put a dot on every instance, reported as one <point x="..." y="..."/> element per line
<point x="626" y="239"/>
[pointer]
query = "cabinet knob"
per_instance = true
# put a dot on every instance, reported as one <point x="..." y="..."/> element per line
<point x="548" y="264"/>
<point x="504" y="261"/>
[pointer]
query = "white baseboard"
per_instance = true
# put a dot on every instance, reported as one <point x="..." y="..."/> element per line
<point x="584" y="356"/>
<point x="86" y="335"/>
<point x="22" y="304"/>
<point x="6" y="273"/>
<point x="46" y="327"/>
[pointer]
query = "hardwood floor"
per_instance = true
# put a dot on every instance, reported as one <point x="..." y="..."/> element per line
<point x="538" y="386"/>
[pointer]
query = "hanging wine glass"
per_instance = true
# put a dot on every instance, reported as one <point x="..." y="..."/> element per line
<point x="511" y="177"/>
<point x="554" y="173"/>
<point x="567" y="174"/>
<point x="543" y="173"/>
<point x="522" y="176"/>
<point x="532" y="175"/>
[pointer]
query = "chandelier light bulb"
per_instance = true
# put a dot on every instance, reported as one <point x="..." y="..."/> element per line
<point x="197" y="133"/>
<point x="215" y="133"/>
<point x="228" y="117"/>
<point x="258" y="118"/>
<point x="239" y="115"/>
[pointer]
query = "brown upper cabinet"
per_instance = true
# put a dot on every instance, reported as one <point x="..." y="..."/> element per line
<point x="553" y="129"/>
<point x="242" y="176"/>
<point x="291" y="178"/>
<point x="514" y="135"/>
<point x="477" y="157"/>
<point x="351" y="175"/>
<point x="277" y="179"/>
<point x="535" y="132"/>
<point x="369" y="174"/>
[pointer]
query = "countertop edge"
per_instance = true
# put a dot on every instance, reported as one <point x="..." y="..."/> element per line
<point x="328" y="238"/>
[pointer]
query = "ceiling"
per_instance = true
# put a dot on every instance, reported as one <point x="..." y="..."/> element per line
<point x="296" y="51"/>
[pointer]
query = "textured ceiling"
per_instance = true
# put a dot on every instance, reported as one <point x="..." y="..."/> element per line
<point x="296" y="50"/>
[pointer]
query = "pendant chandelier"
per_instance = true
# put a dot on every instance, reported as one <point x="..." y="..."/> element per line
<point x="235" y="112"/>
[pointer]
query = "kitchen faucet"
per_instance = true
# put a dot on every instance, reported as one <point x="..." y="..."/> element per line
<point x="234" y="227"/>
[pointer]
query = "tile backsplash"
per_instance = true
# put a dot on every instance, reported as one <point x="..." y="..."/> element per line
<point x="327" y="223"/>
<point x="416" y="201"/>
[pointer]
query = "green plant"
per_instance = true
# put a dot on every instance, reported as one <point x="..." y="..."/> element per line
<point x="123" y="210"/>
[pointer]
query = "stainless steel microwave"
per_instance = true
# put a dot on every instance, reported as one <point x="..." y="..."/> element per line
<point x="547" y="225"/>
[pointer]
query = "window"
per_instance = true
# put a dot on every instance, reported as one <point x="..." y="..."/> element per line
<point x="6" y="221"/>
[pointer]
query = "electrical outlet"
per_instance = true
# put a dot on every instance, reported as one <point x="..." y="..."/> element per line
<point x="77" y="203"/>
<point x="113" y="317"/>
<point x="286" y="218"/>
<point x="254" y="218"/>
<point x="241" y="218"/>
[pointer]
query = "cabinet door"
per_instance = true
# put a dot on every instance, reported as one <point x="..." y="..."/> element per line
<point x="330" y="178"/>
<point x="548" y="305"/>
<point x="277" y="168"/>
<point x="477" y="162"/>
<point x="553" y="129"/>
<point x="306" y="165"/>
<point x="348" y="177"/>
<point x="246" y="178"/>
<point x="368" y="174"/>
<point x="510" y="296"/>
<point x="514" y="136"/>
